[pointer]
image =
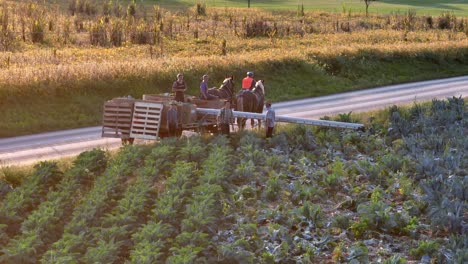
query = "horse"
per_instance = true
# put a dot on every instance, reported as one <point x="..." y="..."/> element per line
<point x="250" y="101"/>
<point x="225" y="91"/>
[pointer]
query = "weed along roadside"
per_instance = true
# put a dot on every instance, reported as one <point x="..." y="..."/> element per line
<point x="308" y="194"/>
<point x="65" y="61"/>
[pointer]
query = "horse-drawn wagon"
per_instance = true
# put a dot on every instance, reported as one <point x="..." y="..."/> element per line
<point x="146" y="118"/>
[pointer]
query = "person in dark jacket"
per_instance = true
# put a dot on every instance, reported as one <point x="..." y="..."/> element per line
<point x="226" y="118"/>
<point x="172" y="120"/>
<point x="179" y="88"/>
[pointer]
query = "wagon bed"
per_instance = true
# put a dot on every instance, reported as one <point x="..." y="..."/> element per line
<point x="128" y="118"/>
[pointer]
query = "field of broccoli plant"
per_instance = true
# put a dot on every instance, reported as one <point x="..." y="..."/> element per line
<point x="396" y="193"/>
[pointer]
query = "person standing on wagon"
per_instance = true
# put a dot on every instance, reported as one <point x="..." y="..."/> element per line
<point x="204" y="95"/>
<point x="179" y="88"/>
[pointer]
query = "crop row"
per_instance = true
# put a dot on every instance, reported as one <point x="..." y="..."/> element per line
<point x="19" y="203"/>
<point x="153" y="240"/>
<point x="45" y="224"/>
<point x="95" y="203"/>
<point x="112" y="240"/>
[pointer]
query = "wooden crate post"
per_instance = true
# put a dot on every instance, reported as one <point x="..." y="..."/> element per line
<point x="117" y="118"/>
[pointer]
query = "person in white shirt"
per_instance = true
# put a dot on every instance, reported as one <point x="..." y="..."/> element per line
<point x="269" y="119"/>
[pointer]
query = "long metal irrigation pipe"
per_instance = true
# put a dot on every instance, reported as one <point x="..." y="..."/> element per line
<point x="287" y="119"/>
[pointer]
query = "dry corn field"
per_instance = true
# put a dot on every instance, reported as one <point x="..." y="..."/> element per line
<point x="68" y="48"/>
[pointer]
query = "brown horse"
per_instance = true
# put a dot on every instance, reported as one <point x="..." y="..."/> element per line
<point x="250" y="101"/>
<point x="225" y="91"/>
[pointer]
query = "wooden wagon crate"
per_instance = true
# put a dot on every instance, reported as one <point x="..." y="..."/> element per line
<point x="160" y="98"/>
<point x="214" y="104"/>
<point x="117" y="118"/>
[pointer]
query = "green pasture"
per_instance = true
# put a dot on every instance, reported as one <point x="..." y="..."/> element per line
<point x="422" y="7"/>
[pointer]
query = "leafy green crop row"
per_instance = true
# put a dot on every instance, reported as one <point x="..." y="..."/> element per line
<point x="20" y="202"/>
<point x="45" y="224"/>
<point x="112" y="240"/>
<point x="94" y="204"/>
<point x="154" y="239"/>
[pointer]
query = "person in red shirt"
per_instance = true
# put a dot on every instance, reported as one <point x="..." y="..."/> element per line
<point x="248" y="83"/>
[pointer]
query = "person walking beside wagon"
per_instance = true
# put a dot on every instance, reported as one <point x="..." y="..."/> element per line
<point x="269" y="119"/>
<point x="172" y="120"/>
<point x="179" y="88"/>
<point x="226" y="118"/>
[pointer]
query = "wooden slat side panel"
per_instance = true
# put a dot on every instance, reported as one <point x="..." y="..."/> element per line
<point x="118" y="115"/>
<point x="114" y="110"/>
<point x="117" y="118"/>
<point x="145" y="126"/>
<point x="146" y="120"/>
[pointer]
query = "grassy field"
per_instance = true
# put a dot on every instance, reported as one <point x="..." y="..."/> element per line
<point x="61" y="79"/>
<point x="422" y="7"/>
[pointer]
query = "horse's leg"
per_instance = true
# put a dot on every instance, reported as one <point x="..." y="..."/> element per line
<point x="241" y="123"/>
<point x="252" y="122"/>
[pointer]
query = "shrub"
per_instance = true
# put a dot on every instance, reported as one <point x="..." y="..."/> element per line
<point x="37" y="30"/>
<point x="117" y="33"/>
<point x="201" y="9"/>
<point x="131" y="10"/>
<point x="257" y="28"/>
<point x="446" y="21"/>
<point x="118" y="10"/>
<point x="73" y="6"/>
<point x="312" y="212"/>
<point x="396" y="259"/>
<point x="141" y="35"/>
<point x="429" y="22"/>
<point x="425" y="248"/>
<point x="107" y="8"/>
<point x="358" y="253"/>
<point x="273" y="188"/>
<point x="89" y="8"/>
<point x="341" y="221"/>
<point x="98" y="34"/>
<point x="5" y="188"/>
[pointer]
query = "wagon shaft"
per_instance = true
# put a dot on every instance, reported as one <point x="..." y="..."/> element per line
<point x="287" y="119"/>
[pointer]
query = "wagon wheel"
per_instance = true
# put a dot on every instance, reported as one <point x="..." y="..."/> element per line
<point x="127" y="141"/>
<point x="163" y="134"/>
